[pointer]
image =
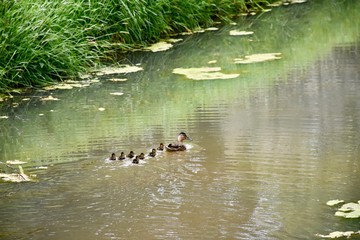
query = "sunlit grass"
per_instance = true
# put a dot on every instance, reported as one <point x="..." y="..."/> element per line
<point x="46" y="41"/>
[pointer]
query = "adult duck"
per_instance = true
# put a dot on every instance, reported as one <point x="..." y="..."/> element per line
<point x="179" y="145"/>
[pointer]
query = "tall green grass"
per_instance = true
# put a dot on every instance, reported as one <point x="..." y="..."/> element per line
<point x="42" y="41"/>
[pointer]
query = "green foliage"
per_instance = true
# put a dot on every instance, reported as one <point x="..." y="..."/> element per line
<point x="44" y="41"/>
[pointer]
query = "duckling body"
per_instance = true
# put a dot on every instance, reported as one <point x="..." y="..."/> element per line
<point x="141" y="156"/>
<point x="131" y="154"/>
<point x="122" y="156"/>
<point x="161" y="147"/>
<point x="136" y="160"/>
<point x="178" y="146"/>
<point x="112" y="157"/>
<point x="152" y="153"/>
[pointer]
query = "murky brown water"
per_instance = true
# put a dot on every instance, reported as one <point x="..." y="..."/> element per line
<point x="270" y="147"/>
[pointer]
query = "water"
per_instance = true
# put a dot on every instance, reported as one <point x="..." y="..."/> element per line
<point x="270" y="147"/>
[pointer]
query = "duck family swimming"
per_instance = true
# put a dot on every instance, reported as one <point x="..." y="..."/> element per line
<point x="172" y="147"/>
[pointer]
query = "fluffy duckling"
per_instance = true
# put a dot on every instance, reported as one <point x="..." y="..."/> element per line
<point x="112" y="157"/>
<point x="131" y="154"/>
<point x="122" y="156"/>
<point x="136" y="160"/>
<point x="141" y="156"/>
<point x="179" y="146"/>
<point x="152" y="153"/>
<point x="161" y="147"/>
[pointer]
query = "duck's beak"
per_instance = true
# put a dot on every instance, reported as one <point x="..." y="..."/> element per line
<point x="188" y="138"/>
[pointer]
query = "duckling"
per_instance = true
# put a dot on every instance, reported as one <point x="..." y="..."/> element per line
<point x="141" y="156"/>
<point x="152" y="153"/>
<point x="122" y="156"/>
<point x="131" y="154"/>
<point x="113" y="157"/>
<point x="161" y="147"/>
<point x="179" y="146"/>
<point x="136" y="160"/>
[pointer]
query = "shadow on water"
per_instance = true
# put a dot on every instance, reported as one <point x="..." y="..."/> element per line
<point x="270" y="147"/>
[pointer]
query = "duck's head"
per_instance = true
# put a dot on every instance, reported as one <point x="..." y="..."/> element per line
<point x="153" y="150"/>
<point x="182" y="137"/>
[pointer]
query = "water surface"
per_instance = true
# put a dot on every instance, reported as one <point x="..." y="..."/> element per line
<point x="270" y="147"/>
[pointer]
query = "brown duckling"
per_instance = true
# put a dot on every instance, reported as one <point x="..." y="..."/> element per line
<point x="122" y="156"/>
<point x="161" y="147"/>
<point x="179" y="146"/>
<point x="152" y="153"/>
<point x="113" y="157"/>
<point x="141" y="156"/>
<point x="136" y="160"/>
<point x="131" y="154"/>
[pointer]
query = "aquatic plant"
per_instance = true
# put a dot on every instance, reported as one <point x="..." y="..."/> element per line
<point x="347" y="210"/>
<point x="46" y="41"/>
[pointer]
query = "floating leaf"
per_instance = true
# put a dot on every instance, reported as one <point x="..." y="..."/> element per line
<point x="15" y="177"/>
<point x="204" y="73"/>
<point x="4" y="117"/>
<point x="212" y="62"/>
<point x="101" y="109"/>
<point x="256" y="58"/>
<point x="49" y="98"/>
<point x="61" y="86"/>
<point x="159" y="46"/>
<point x="15" y="162"/>
<point x="349" y="210"/>
<point x="334" y="202"/>
<point x="118" y="79"/>
<point x="240" y="33"/>
<point x="174" y="40"/>
<point x="212" y="29"/>
<point x="118" y="70"/>
<point x="117" y="93"/>
<point x="338" y="234"/>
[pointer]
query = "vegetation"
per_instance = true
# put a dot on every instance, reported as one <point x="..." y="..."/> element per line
<point x="45" y="41"/>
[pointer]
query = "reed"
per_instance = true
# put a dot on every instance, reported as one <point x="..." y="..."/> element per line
<point x="43" y="41"/>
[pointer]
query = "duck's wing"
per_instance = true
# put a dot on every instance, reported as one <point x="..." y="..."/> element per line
<point x="175" y="147"/>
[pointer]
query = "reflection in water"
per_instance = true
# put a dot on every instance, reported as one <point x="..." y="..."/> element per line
<point x="270" y="148"/>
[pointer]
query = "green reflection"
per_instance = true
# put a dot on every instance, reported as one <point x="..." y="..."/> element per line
<point x="156" y="103"/>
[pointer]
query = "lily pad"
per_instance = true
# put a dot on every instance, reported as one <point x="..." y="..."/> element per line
<point x="49" y="98"/>
<point x="212" y="29"/>
<point x="338" y="234"/>
<point x="117" y="93"/>
<point x="15" y="177"/>
<point x="256" y="58"/>
<point x="349" y="210"/>
<point x="212" y="62"/>
<point x="118" y="70"/>
<point x="240" y="33"/>
<point x="204" y="73"/>
<point x="174" y="40"/>
<point x="15" y="162"/>
<point x="334" y="202"/>
<point x="118" y="79"/>
<point x="159" y="46"/>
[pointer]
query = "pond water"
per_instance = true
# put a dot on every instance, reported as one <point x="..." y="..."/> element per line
<point x="269" y="148"/>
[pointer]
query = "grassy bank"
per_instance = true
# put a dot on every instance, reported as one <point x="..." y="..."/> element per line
<point x="45" y="41"/>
